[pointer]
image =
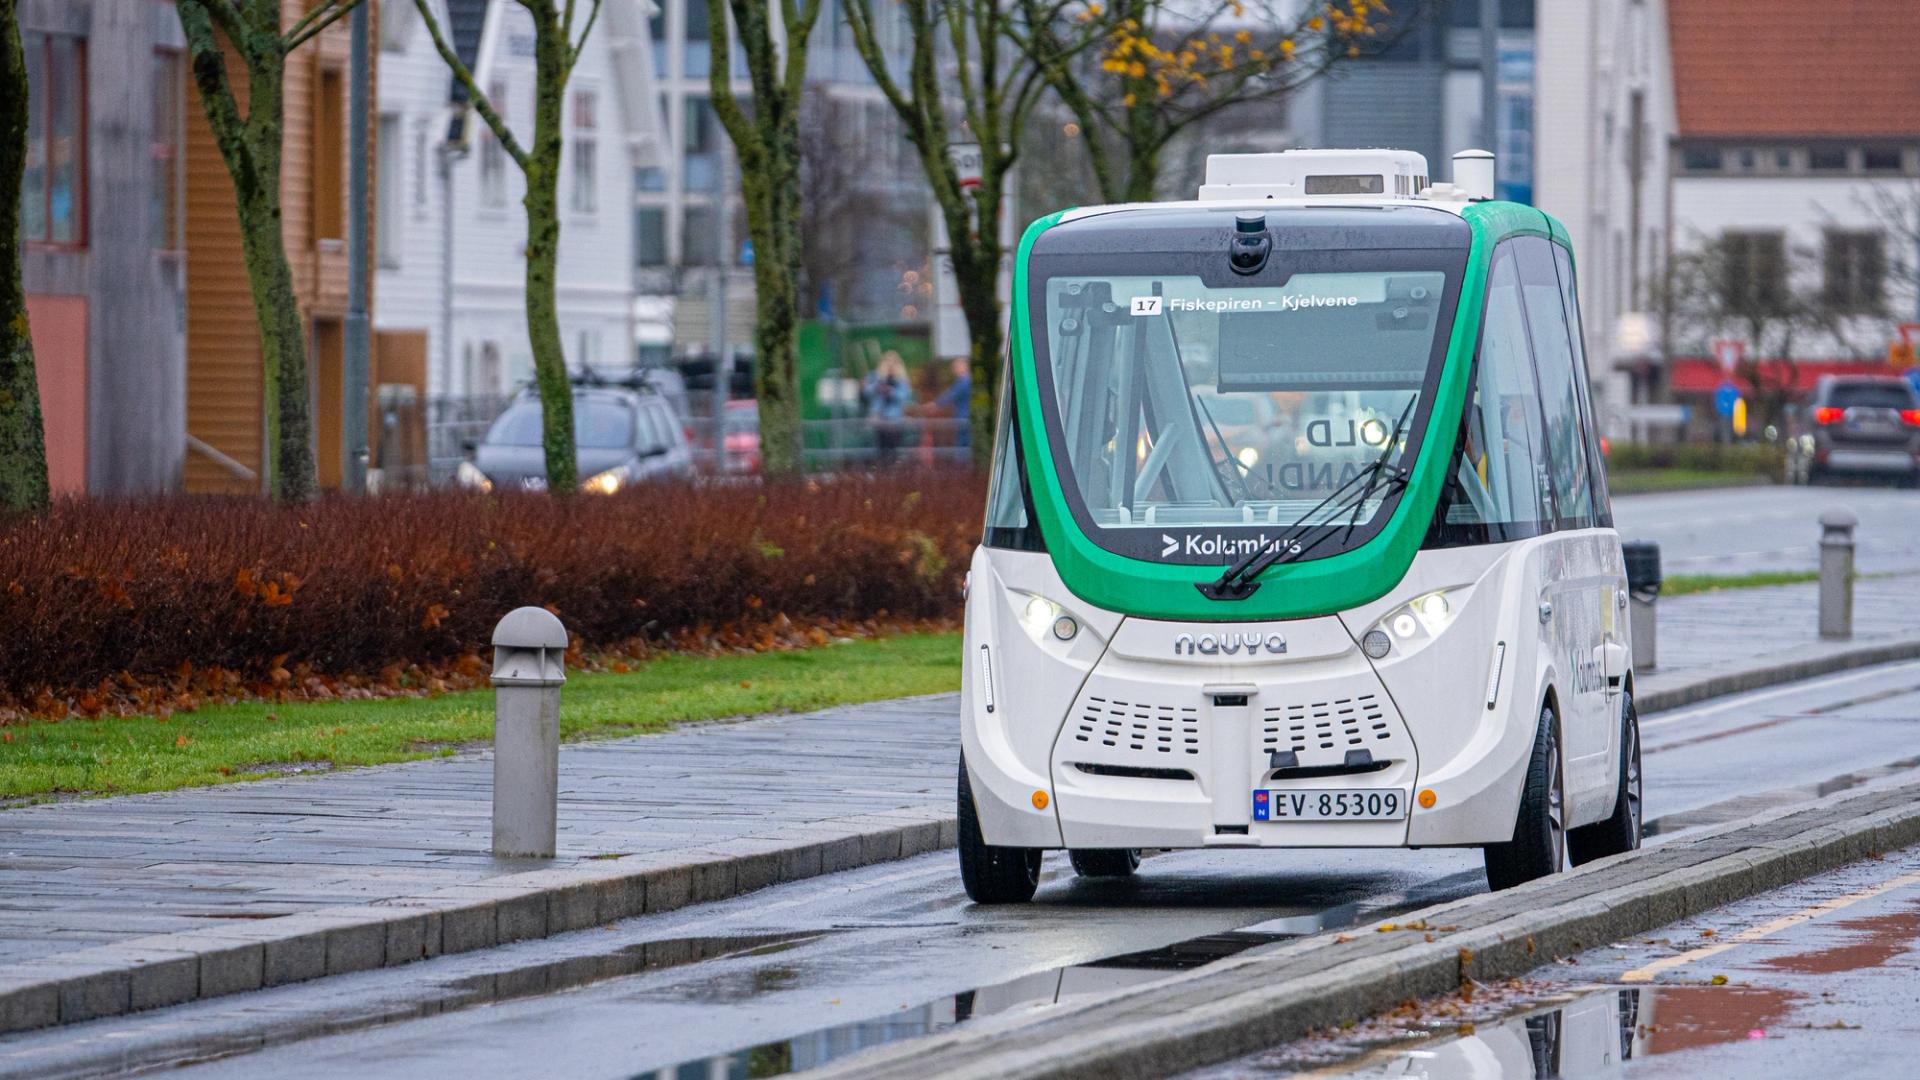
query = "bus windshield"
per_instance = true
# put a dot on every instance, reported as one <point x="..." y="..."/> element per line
<point x="1195" y="419"/>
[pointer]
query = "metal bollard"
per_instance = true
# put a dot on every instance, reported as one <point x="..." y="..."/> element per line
<point x="1643" y="588"/>
<point x="1836" y="572"/>
<point x="529" y="667"/>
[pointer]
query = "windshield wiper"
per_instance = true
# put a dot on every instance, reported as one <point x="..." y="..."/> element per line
<point x="1240" y="580"/>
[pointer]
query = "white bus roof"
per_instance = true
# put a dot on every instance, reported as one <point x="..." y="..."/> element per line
<point x="1298" y="178"/>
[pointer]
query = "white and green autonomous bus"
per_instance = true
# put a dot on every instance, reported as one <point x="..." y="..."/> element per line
<point x="1298" y="535"/>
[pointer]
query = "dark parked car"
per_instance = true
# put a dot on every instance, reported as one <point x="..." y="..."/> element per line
<point x="623" y="437"/>
<point x="1863" y="425"/>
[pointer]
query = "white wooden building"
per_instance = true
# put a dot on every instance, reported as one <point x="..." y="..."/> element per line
<point x="452" y="230"/>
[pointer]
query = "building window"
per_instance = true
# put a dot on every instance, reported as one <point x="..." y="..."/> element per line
<point x="700" y="164"/>
<point x="698" y="229"/>
<point x="169" y="120"/>
<point x="1827" y="159"/>
<point x="387" y="196"/>
<point x="586" y="174"/>
<point x="422" y="151"/>
<point x="1753" y="268"/>
<point x="1880" y="159"/>
<point x="650" y="236"/>
<point x="696" y="57"/>
<point x="493" y="156"/>
<point x="53" y="189"/>
<point x="1856" y="271"/>
<point x="329" y="157"/>
<point x="1700" y="158"/>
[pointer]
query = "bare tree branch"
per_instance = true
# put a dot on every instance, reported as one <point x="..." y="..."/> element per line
<point x="315" y="22"/>
<point x="481" y="103"/>
<point x="580" y="44"/>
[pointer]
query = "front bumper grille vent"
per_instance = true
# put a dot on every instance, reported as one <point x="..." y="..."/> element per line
<point x="1324" y="725"/>
<point x="1169" y="729"/>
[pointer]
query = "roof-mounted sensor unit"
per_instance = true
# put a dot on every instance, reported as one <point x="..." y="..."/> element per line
<point x="1293" y="174"/>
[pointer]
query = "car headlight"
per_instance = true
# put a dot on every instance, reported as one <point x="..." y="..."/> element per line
<point x="1410" y="626"/>
<point x="606" y="483"/>
<point x="469" y="476"/>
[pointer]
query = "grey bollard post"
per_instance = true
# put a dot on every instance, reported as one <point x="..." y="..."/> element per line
<point x="529" y="667"/>
<point x="1836" y="572"/>
<point x="1643" y="589"/>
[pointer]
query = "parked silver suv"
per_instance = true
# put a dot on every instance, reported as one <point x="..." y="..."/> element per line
<point x="622" y="437"/>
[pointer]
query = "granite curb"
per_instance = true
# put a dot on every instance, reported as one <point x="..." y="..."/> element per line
<point x="1242" y="1005"/>
<point x="1658" y="692"/>
<point x="170" y="969"/>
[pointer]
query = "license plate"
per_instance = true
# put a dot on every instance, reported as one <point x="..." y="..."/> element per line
<point x="1329" y="804"/>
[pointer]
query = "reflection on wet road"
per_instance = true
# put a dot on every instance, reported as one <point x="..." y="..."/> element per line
<point x="1820" y="981"/>
<point x="804" y="973"/>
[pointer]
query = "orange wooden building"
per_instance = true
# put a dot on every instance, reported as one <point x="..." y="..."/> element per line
<point x="226" y="386"/>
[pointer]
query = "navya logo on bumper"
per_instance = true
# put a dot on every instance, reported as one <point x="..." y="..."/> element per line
<point x="1217" y="546"/>
<point x="1251" y="644"/>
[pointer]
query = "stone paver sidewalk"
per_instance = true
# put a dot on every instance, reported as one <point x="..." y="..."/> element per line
<point x="101" y="872"/>
<point x="84" y="873"/>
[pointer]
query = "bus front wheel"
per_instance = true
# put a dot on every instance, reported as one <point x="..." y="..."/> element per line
<point x="1621" y="832"/>
<point x="1539" y="844"/>
<point x="1105" y="862"/>
<point x="992" y="874"/>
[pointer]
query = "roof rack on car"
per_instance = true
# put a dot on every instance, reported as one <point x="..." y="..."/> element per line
<point x="634" y="379"/>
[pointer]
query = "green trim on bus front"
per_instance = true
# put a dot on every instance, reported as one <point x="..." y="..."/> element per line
<point x="1290" y="591"/>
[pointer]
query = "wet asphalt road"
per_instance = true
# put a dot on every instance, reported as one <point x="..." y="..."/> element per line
<point x="1751" y="529"/>
<point x="805" y="972"/>
<point x="1819" y="979"/>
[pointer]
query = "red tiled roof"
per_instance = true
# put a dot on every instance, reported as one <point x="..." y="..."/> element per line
<point x="1788" y="68"/>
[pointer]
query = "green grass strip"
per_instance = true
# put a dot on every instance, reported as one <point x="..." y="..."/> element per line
<point x="1644" y="481"/>
<point x="225" y="743"/>
<point x="1687" y="584"/>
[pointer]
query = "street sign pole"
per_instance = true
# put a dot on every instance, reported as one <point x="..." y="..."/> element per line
<point x="353" y="405"/>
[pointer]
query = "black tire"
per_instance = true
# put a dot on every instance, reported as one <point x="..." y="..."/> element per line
<point x="1105" y="862"/>
<point x="1621" y="832"/>
<point x="1539" y="843"/>
<point x="992" y="875"/>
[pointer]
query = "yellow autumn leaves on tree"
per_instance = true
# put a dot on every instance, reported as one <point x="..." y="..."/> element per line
<point x="1143" y="50"/>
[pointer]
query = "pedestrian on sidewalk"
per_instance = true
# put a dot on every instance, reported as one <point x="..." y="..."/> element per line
<point x="886" y="393"/>
<point x="957" y="401"/>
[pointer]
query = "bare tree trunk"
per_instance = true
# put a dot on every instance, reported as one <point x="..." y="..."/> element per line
<point x="23" y="450"/>
<point x="765" y="132"/>
<point x="283" y="333"/>
<point x="555" y="52"/>
<point x="773" y="223"/>
<point x="542" y="203"/>
<point x="250" y="146"/>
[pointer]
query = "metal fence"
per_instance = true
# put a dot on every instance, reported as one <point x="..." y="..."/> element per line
<point x="847" y="442"/>
<point x="452" y="424"/>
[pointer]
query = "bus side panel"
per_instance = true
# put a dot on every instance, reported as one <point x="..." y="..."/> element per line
<point x="1472" y="757"/>
<point x="1036" y="677"/>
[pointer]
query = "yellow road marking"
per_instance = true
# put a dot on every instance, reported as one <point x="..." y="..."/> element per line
<point x="1754" y="933"/>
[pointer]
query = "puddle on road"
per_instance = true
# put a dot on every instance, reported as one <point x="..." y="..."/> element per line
<point x="1595" y="1033"/>
<point x="1875" y="939"/>
<point x="1039" y="990"/>
<point x="634" y="959"/>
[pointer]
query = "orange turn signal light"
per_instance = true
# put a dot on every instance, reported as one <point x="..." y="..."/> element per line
<point x="1039" y="800"/>
<point x="1427" y="799"/>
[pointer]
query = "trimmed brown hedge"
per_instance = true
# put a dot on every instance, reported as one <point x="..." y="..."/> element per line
<point x="97" y="592"/>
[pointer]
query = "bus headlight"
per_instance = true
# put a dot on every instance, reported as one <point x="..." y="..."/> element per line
<point x="1415" y="622"/>
<point x="1037" y="614"/>
<point x="1042" y="617"/>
